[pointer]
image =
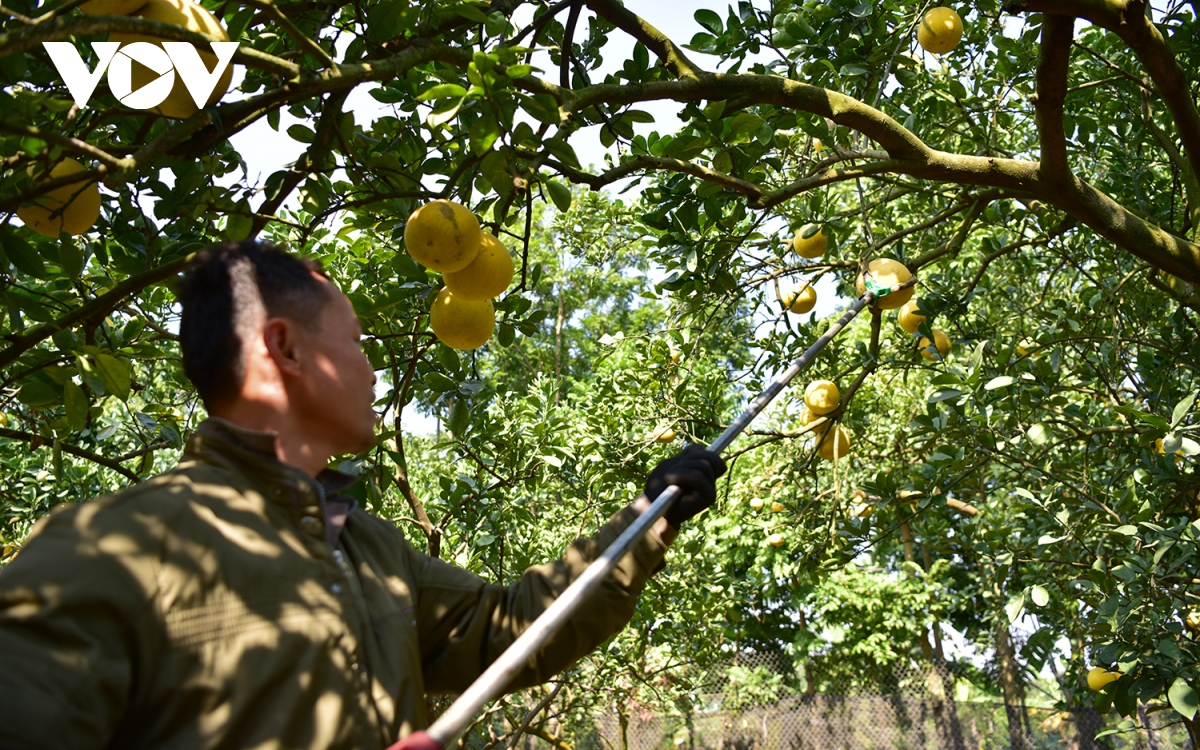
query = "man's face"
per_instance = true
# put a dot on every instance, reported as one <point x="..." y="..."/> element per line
<point x="338" y="391"/>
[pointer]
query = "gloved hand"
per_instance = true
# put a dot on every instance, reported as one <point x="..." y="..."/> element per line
<point x="695" y="470"/>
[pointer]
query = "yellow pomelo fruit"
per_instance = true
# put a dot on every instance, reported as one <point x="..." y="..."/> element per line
<point x="862" y="510"/>
<point x="1098" y="677"/>
<point x="817" y="145"/>
<point x="487" y="275"/>
<point x="822" y="396"/>
<point x="776" y="507"/>
<point x="111" y="7"/>
<point x="801" y="300"/>
<point x="756" y="503"/>
<point x="908" y="317"/>
<point x="813" y="246"/>
<point x="1026" y="346"/>
<point x="807" y="417"/>
<point x="179" y="103"/>
<point x="941" y="341"/>
<point x="71" y="208"/>
<point x="1159" y="449"/>
<point x="1192" y="621"/>
<point x="940" y="30"/>
<point x="775" y="540"/>
<point x="886" y="272"/>
<point x="665" y="435"/>
<point x="443" y="235"/>
<point x="829" y="445"/>
<point x="462" y="323"/>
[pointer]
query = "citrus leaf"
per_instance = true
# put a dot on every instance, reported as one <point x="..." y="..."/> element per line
<point x="75" y="401"/>
<point x="560" y="194"/>
<point x="1181" y="410"/>
<point x="115" y="374"/>
<point x="442" y="91"/>
<point x="1014" y="607"/>
<point x="709" y="20"/>
<point x="1001" y="382"/>
<point x="1039" y="595"/>
<point x="1183" y="698"/>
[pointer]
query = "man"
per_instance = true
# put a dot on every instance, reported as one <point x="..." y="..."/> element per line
<point x="237" y="600"/>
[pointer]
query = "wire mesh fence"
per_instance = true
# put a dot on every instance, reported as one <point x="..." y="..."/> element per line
<point x="761" y="702"/>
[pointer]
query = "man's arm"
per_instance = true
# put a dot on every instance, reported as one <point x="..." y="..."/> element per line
<point x="464" y="624"/>
<point x="69" y="609"/>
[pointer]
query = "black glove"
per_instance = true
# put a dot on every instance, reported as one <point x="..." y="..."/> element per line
<point x="695" y="470"/>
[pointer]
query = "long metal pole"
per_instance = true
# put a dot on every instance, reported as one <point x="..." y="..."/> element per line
<point x="491" y="684"/>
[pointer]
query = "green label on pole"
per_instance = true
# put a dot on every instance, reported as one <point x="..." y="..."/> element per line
<point x="874" y="287"/>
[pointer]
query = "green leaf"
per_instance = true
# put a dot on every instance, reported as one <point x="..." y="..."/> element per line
<point x="38" y="395"/>
<point x="518" y="71"/>
<point x="441" y="91"/>
<point x="460" y="416"/>
<point x="1183" y="698"/>
<point x="1181" y="410"/>
<point x="75" y="401"/>
<point x="1039" y="595"/>
<point x="115" y="374"/>
<point x="709" y="20"/>
<point x="745" y="122"/>
<point x="1038" y="434"/>
<point x="560" y="194"/>
<point x="1014" y="607"/>
<point x="1000" y="382"/>
<point x="21" y="254"/>
<point x="301" y="133"/>
<point x="1127" y="530"/>
<point x="438" y="382"/>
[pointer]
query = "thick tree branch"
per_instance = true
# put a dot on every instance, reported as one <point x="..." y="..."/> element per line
<point x="1053" y="60"/>
<point x="1127" y="19"/>
<point x="657" y="42"/>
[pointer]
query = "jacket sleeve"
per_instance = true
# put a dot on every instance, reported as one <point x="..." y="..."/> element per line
<point x="465" y="623"/>
<point x="70" y="608"/>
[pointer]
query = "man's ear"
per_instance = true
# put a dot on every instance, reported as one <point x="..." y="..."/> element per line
<point x="282" y="340"/>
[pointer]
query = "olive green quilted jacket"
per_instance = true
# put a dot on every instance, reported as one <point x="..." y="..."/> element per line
<point x="234" y="602"/>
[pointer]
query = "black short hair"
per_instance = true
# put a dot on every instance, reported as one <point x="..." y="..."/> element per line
<point x="227" y="293"/>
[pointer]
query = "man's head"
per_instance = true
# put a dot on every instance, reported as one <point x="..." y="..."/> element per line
<point x="271" y="343"/>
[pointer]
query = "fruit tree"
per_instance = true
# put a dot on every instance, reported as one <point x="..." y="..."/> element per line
<point x="1039" y="176"/>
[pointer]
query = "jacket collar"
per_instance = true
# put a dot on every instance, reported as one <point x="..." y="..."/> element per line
<point x="252" y="453"/>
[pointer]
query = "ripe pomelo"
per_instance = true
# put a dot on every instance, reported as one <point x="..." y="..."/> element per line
<point x="886" y="272"/>
<point x="71" y="208"/>
<point x="909" y="317"/>
<point x="443" y="235"/>
<point x="940" y="30"/>
<point x="462" y="323"/>
<point x="800" y="300"/>
<point x="810" y="241"/>
<point x="941" y="341"/>
<point x="822" y="396"/>
<point x="487" y="275"/>
<point x="837" y="444"/>
<point x="1098" y="677"/>
<point x="191" y="16"/>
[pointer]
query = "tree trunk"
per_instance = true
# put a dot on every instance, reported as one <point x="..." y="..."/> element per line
<point x="945" y="712"/>
<point x="1010" y="681"/>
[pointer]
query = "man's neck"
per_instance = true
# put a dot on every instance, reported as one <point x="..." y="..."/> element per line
<point x="293" y="446"/>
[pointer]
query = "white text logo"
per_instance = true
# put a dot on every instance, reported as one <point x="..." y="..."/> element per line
<point x="178" y="57"/>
